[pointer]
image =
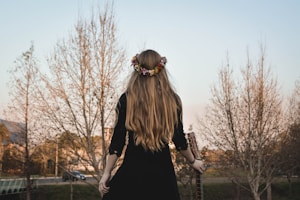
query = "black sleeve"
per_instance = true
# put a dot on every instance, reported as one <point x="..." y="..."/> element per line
<point x="179" y="138"/>
<point x="119" y="136"/>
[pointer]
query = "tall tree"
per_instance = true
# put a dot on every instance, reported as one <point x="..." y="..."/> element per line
<point x="293" y="113"/>
<point x="294" y="130"/>
<point x="244" y="118"/>
<point x="80" y="93"/>
<point x="288" y="156"/>
<point x="21" y="109"/>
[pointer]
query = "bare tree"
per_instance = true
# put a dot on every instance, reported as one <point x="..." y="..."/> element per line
<point x="21" y="109"/>
<point x="293" y="111"/>
<point x="244" y="119"/>
<point x="294" y="130"/>
<point x="80" y="93"/>
<point x="289" y="157"/>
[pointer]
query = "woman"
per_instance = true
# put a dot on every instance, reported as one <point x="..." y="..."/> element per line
<point x="150" y="113"/>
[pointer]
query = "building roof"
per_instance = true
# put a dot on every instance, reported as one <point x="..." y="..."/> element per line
<point x="16" y="131"/>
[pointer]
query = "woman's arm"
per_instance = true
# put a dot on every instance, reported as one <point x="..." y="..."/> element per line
<point x="188" y="155"/>
<point x="110" y="163"/>
<point x="195" y="163"/>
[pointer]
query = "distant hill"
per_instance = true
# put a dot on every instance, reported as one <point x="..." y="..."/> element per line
<point x="16" y="133"/>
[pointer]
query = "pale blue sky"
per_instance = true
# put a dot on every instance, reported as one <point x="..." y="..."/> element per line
<point x="194" y="35"/>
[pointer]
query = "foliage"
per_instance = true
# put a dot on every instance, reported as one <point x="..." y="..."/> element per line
<point x="184" y="172"/>
<point x="13" y="160"/>
<point x="288" y="155"/>
<point x="4" y="140"/>
<point x="4" y="134"/>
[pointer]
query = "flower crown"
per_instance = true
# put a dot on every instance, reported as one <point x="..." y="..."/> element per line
<point x="148" y="72"/>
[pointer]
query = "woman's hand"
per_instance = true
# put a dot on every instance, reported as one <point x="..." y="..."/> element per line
<point x="102" y="184"/>
<point x="199" y="166"/>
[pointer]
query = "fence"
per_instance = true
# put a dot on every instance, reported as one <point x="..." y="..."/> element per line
<point x="11" y="186"/>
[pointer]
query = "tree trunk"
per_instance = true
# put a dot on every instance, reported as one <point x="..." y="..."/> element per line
<point x="256" y="196"/>
<point x="71" y="186"/>
<point x="290" y="185"/>
<point x="254" y="189"/>
<point x="269" y="192"/>
<point x="237" y="192"/>
<point x="28" y="186"/>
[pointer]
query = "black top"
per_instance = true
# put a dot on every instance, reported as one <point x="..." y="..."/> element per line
<point x="143" y="174"/>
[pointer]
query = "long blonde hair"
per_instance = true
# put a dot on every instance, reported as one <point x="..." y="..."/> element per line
<point x="152" y="105"/>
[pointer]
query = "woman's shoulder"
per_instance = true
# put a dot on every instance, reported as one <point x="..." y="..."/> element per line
<point x="122" y="98"/>
<point x="177" y="99"/>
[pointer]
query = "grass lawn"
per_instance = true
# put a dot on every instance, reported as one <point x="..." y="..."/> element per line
<point x="212" y="191"/>
<point x="80" y="192"/>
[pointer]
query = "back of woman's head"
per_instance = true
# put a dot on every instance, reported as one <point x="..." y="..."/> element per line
<point x="152" y="104"/>
<point x="149" y="59"/>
